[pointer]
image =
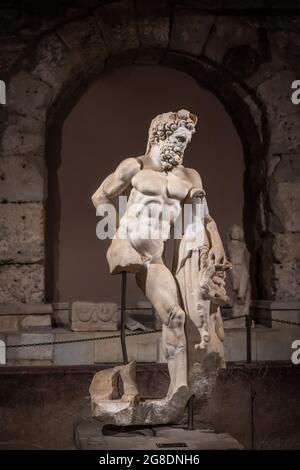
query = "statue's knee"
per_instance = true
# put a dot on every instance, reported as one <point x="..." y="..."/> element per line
<point x="176" y="317"/>
<point x="174" y="336"/>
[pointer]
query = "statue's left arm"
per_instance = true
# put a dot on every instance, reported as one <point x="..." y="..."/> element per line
<point x="217" y="253"/>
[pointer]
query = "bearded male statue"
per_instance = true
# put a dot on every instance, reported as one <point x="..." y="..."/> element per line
<point x="187" y="297"/>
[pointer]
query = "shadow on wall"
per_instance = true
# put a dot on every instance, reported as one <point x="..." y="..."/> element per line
<point x="108" y="123"/>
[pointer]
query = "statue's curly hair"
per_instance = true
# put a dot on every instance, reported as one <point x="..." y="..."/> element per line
<point x="163" y="125"/>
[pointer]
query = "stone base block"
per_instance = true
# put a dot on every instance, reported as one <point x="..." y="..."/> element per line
<point x="30" y="352"/>
<point x="74" y="353"/>
<point x="266" y="310"/>
<point x="268" y="344"/>
<point x="29" y="322"/>
<point x="25" y="309"/>
<point x="140" y="348"/>
<point x="88" y="436"/>
<point x="235" y="345"/>
<point x="8" y="324"/>
<point x="19" y="316"/>
<point x="275" y="344"/>
<point x="14" y="323"/>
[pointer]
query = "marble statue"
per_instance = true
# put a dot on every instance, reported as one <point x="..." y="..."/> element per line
<point x="188" y="296"/>
<point x="239" y="273"/>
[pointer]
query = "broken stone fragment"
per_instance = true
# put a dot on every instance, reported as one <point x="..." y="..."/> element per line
<point x="113" y="384"/>
<point x="134" y="325"/>
<point x="104" y="385"/>
<point x="115" y="400"/>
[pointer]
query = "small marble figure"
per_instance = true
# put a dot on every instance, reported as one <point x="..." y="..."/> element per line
<point x="239" y="272"/>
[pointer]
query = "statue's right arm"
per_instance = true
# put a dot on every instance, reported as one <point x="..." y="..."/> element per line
<point x="116" y="182"/>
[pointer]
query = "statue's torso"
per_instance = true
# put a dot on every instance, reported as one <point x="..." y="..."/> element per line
<point x="166" y="185"/>
<point x="153" y="206"/>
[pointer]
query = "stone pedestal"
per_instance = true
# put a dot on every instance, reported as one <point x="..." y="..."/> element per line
<point x="267" y="310"/>
<point x="15" y="317"/>
<point x="88" y="436"/>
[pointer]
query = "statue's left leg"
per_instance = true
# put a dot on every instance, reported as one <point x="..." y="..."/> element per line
<point x="159" y="285"/>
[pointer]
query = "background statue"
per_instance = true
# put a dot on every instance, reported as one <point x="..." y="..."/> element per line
<point x="186" y="297"/>
<point x="239" y="273"/>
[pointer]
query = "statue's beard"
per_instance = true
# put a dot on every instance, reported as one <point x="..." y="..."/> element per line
<point x="170" y="156"/>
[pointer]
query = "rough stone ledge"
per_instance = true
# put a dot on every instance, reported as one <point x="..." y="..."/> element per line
<point x="25" y="309"/>
<point x="20" y="202"/>
<point x="275" y="305"/>
<point x="28" y="323"/>
<point x="61" y="305"/>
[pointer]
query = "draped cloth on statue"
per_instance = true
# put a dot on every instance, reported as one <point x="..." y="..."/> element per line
<point x="201" y="290"/>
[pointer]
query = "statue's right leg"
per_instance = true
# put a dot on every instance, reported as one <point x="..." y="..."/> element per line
<point x="158" y="284"/>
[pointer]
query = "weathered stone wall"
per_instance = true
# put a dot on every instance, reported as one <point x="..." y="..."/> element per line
<point x="50" y="51"/>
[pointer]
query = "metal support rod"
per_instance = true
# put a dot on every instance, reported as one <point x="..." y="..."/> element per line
<point x="123" y="318"/>
<point x="191" y="413"/>
<point x="248" y="321"/>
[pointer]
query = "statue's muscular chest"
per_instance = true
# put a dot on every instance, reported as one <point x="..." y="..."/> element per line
<point x="168" y="185"/>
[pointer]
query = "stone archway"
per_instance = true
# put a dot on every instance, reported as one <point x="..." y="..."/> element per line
<point x="231" y="56"/>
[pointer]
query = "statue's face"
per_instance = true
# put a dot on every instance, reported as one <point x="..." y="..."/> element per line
<point x="236" y="233"/>
<point x="173" y="147"/>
